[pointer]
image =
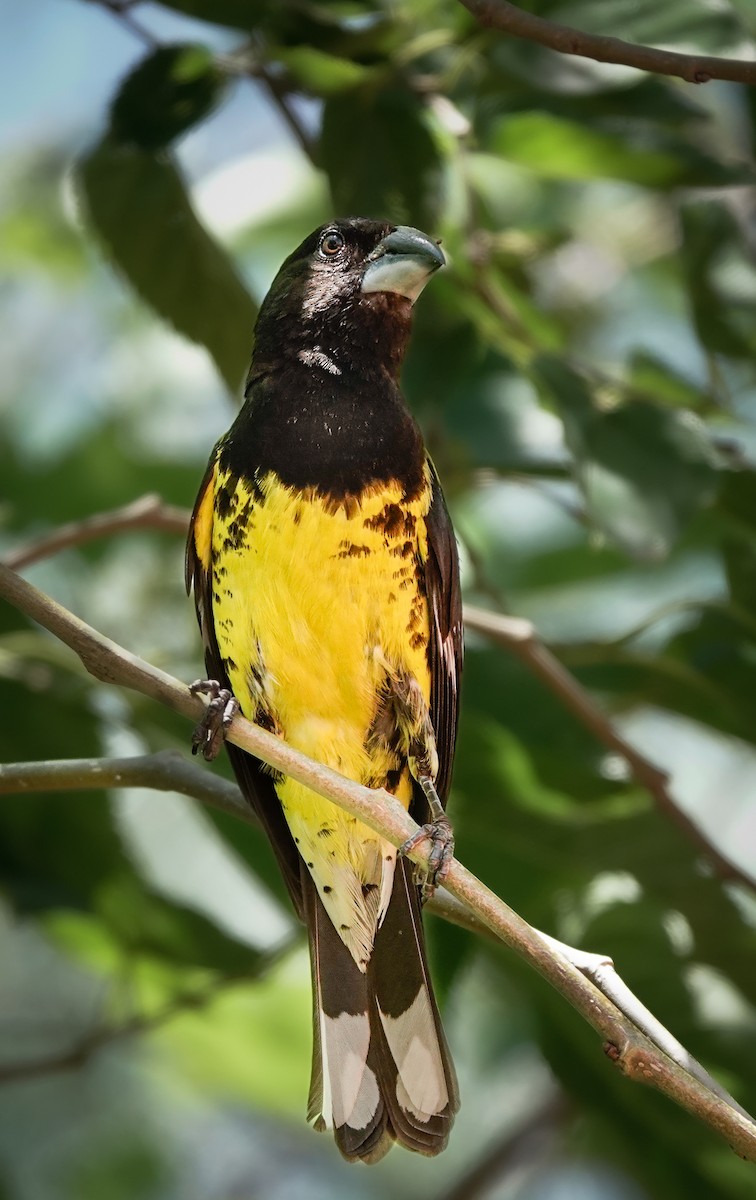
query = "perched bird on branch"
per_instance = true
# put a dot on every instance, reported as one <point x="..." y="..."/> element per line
<point x="326" y="583"/>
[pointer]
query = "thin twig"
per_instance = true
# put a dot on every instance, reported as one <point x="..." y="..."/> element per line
<point x="275" y="87"/>
<point x="513" y="633"/>
<point x="280" y="96"/>
<point x="634" y="1053"/>
<point x="164" y="771"/>
<point x="121" y="10"/>
<point x="518" y="636"/>
<point x="167" y="770"/>
<point x="77" y="1055"/>
<point x="148" y="512"/>
<point x="601" y="970"/>
<point x="693" y="68"/>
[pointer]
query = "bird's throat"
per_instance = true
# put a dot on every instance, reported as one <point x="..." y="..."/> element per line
<point x="334" y="432"/>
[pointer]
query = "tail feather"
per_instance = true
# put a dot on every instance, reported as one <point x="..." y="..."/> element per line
<point x="344" y="1091"/>
<point x="381" y="1067"/>
<point x="415" y="1069"/>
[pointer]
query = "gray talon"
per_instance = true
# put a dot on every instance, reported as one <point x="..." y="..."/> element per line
<point x="441" y="836"/>
<point x="210" y="733"/>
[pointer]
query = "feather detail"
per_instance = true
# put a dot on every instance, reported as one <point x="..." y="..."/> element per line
<point x="344" y="1092"/>
<point x="415" y="1070"/>
<point x="381" y="1068"/>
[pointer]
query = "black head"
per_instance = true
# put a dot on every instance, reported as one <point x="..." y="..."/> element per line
<point x="343" y="300"/>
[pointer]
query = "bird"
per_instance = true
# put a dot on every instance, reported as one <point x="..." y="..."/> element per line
<point x="326" y="583"/>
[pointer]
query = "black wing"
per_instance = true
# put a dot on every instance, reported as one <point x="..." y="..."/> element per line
<point x="256" y="785"/>
<point x="446" y="638"/>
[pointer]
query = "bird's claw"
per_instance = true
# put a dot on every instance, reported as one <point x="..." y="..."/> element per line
<point x="440" y="834"/>
<point x="210" y="733"/>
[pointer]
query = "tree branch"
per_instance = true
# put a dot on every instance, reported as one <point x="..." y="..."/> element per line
<point x="279" y="94"/>
<point x="633" y="1052"/>
<point x="122" y="10"/>
<point x="164" y="771"/>
<point x="519" y="636"/>
<point x="513" y="633"/>
<point x="693" y="68"/>
<point x="148" y="512"/>
<point x="167" y="770"/>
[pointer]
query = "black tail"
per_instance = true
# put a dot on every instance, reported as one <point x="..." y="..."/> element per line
<point x="381" y="1068"/>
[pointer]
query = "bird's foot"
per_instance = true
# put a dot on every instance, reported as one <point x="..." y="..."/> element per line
<point x="210" y="734"/>
<point x="441" y="836"/>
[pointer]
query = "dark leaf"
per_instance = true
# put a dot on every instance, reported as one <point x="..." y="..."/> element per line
<point x="237" y="14"/>
<point x="383" y="157"/>
<point x="172" y="89"/>
<point x="724" y="319"/>
<point x="140" y="211"/>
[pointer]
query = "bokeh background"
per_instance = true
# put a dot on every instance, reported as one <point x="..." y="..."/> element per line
<point x="584" y="375"/>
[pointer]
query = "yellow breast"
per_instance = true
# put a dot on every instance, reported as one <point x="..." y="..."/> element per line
<point x="316" y="597"/>
<point x="313" y="602"/>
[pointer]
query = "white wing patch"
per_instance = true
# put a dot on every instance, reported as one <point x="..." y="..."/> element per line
<point x="421" y="1085"/>
<point x="350" y="1088"/>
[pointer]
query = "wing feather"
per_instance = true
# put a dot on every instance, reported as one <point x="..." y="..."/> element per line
<point x="446" y="637"/>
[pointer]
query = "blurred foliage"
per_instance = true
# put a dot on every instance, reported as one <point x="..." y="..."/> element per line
<point x="583" y="371"/>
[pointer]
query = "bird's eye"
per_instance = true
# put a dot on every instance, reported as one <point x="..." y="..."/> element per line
<point x="331" y="243"/>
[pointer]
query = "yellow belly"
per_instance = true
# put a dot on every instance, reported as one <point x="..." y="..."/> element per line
<point x="312" y="603"/>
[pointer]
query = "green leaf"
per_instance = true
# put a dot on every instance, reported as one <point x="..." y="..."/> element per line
<point x="561" y="149"/>
<point x="139" y="209"/>
<point x="172" y="89"/>
<point x="643" y="470"/>
<point x="655" y="99"/>
<point x="683" y="23"/>
<point x="650" y="375"/>
<point x="237" y="14"/>
<point x="322" y="74"/>
<point x="738" y="502"/>
<point x="145" y="923"/>
<point x="383" y="156"/>
<point x="712" y="248"/>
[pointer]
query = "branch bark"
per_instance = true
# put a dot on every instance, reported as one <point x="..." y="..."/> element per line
<point x="513" y="633"/>
<point x="148" y="512"/>
<point x="519" y="637"/>
<point x="164" y="771"/>
<point x="167" y="770"/>
<point x="630" y="1049"/>
<point x="693" y="68"/>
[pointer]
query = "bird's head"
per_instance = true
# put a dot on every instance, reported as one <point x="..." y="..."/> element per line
<point x="345" y="295"/>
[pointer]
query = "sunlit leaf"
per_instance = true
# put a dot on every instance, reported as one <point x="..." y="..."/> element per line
<point x="561" y="149"/>
<point x="322" y="74"/>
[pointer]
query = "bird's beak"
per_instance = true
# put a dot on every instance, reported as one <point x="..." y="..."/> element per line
<point x="402" y="262"/>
